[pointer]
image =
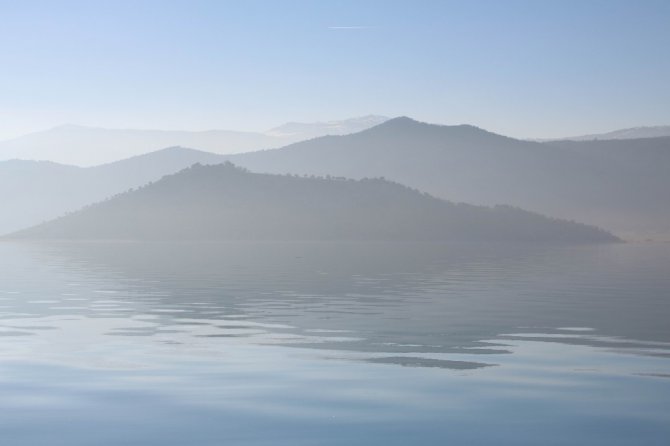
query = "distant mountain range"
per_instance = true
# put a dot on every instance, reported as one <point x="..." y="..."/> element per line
<point x="224" y="202"/>
<point x="89" y="146"/>
<point x="310" y="130"/>
<point x="631" y="133"/>
<point x="619" y="185"/>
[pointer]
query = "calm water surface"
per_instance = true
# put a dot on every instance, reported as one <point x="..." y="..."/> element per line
<point x="316" y="343"/>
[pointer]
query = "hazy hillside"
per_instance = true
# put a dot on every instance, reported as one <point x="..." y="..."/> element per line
<point x="315" y="129"/>
<point x="626" y="184"/>
<point x="89" y="146"/>
<point x="631" y="133"/>
<point x="590" y="182"/>
<point x="224" y="202"/>
<point x="32" y="192"/>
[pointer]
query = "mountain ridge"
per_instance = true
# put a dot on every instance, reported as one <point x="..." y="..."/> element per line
<point x="626" y="133"/>
<point x="91" y="146"/>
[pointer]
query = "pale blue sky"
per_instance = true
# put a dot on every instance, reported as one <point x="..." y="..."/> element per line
<point x="521" y="68"/>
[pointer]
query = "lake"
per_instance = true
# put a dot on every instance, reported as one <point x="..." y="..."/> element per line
<point x="334" y="343"/>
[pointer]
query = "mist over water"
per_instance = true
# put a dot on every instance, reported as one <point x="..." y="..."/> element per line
<point x="334" y="343"/>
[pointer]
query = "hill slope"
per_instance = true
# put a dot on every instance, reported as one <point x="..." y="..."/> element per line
<point x="224" y="202"/>
<point x="35" y="191"/>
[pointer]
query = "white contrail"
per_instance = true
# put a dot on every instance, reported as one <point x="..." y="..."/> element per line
<point x="349" y="27"/>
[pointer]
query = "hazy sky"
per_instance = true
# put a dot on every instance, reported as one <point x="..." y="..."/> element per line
<point x="521" y="68"/>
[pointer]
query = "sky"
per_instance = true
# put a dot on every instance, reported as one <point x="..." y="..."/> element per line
<point x="520" y="68"/>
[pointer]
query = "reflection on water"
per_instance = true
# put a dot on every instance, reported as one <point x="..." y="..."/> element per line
<point x="317" y="343"/>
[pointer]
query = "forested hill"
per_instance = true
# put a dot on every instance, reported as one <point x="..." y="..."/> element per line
<point x="224" y="202"/>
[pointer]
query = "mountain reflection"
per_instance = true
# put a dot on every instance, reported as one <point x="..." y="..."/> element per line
<point x="410" y="304"/>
